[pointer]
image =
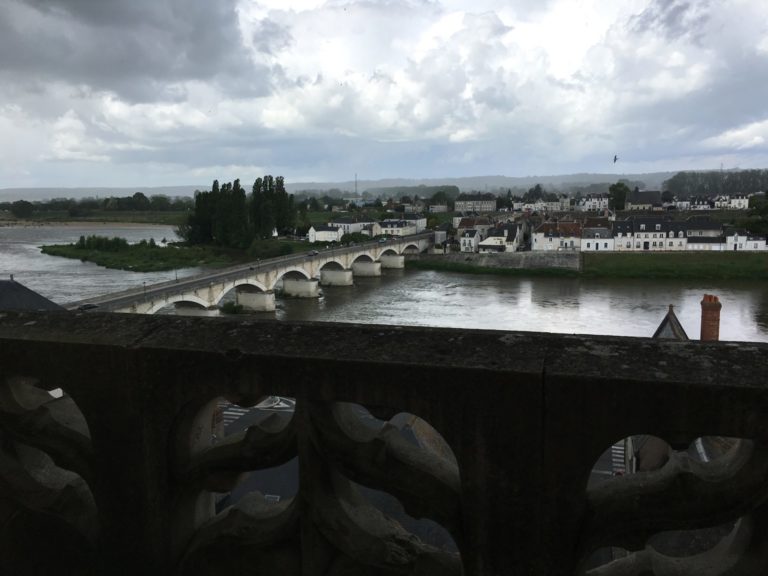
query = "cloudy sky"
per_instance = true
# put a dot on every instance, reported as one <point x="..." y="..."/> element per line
<point x="165" y="92"/>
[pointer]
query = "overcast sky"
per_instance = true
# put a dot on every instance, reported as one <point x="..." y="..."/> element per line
<point x="164" y="92"/>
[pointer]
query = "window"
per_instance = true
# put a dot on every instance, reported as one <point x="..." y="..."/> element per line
<point x="629" y="244"/>
<point x="642" y="226"/>
<point x="680" y="234"/>
<point x="654" y="244"/>
<point x="587" y="244"/>
<point x="637" y="245"/>
<point x="671" y="244"/>
<point x="654" y="235"/>
<point x="658" y="226"/>
<point x="605" y="244"/>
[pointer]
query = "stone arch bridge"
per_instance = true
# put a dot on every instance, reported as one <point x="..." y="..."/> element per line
<point x="255" y="283"/>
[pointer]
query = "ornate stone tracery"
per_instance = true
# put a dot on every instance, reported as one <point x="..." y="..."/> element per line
<point x="120" y="473"/>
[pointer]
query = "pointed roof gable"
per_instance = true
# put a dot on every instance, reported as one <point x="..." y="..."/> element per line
<point x="670" y="327"/>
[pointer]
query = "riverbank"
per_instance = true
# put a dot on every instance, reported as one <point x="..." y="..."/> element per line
<point x="148" y="257"/>
<point x="501" y="264"/>
<point x="678" y="265"/>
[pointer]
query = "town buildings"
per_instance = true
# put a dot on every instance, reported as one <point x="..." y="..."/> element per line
<point x="644" y="234"/>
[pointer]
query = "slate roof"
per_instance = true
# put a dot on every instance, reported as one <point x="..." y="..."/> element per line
<point x="557" y="229"/>
<point x="705" y="240"/>
<point x="16" y="296"/>
<point x="670" y="327"/>
<point x="645" y="197"/>
<point x="324" y="228"/>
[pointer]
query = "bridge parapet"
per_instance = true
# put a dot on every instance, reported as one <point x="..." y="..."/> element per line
<point x="119" y="475"/>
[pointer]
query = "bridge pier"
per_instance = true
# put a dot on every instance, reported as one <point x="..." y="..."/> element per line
<point x="366" y="269"/>
<point x="392" y="261"/>
<point x="301" y="288"/>
<point x="256" y="301"/>
<point x="336" y="277"/>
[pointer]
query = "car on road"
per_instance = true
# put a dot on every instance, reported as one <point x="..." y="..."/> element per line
<point x="313" y="253"/>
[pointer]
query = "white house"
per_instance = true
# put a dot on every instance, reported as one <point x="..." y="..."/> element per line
<point x="738" y="202"/>
<point x="349" y="224"/>
<point x="394" y="228"/>
<point x="469" y="241"/>
<point x="739" y="240"/>
<point x="557" y="236"/>
<point x="597" y="239"/>
<point x="593" y="203"/>
<point x="320" y="233"/>
<point x="475" y="203"/>
<point x="502" y="239"/>
<point x="419" y="220"/>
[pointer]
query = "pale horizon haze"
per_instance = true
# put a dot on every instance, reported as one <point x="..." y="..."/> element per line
<point x="170" y="92"/>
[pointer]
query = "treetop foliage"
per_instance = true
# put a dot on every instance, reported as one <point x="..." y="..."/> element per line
<point x="715" y="183"/>
<point x="227" y="216"/>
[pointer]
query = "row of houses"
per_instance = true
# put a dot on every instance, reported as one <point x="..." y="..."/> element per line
<point x="648" y="234"/>
<point x="636" y="201"/>
<point x="651" y="200"/>
<point x="333" y="231"/>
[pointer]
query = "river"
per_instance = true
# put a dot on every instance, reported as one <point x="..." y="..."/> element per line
<point x="419" y="297"/>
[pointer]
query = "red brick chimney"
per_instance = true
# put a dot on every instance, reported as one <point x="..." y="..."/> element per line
<point x="710" y="317"/>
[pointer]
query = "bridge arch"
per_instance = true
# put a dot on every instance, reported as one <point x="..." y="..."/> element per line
<point x="411" y="249"/>
<point x="363" y="258"/>
<point x="389" y="252"/>
<point x="294" y="272"/>
<point x="244" y="282"/>
<point x="332" y="265"/>
<point x="191" y="298"/>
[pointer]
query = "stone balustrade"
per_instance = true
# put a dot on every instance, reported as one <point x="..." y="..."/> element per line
<point x="120" y="474"/>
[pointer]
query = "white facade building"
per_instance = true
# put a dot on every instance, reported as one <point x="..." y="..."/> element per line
<point x="324" y="234"/>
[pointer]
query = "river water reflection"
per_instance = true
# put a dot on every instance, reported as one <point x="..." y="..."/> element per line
<point x="410" y="297"/>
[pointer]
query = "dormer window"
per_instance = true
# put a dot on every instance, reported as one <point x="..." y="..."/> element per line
<point x="642" y="226"/>
<point x="658" y="226"/>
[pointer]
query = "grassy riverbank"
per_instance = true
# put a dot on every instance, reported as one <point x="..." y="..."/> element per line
<point x="688" y="265"/>
<point x="145" y="257"/>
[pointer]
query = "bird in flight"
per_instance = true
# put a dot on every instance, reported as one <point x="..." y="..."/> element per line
<point x="615" y="157"/>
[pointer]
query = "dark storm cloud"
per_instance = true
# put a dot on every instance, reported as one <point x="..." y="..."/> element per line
<point x="674" y="18"/>
<point x="135" y="48"/>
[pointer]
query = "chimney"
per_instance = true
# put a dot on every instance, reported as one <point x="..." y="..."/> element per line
<point x="710" y="318"/>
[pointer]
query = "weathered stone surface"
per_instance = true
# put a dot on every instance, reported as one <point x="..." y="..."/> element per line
<point x="525" y="416"/>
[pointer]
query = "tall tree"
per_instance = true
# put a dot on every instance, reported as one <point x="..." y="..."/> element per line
<point x="618" y="195"/>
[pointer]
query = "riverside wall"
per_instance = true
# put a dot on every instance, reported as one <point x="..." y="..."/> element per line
<point x="511" y="260"/>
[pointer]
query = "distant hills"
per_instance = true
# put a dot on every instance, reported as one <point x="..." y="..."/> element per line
<point x="652" y="180"/>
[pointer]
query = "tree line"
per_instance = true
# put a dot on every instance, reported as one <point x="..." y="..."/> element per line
<point x="715" y="183"/>
<point x="83" y="206"/>
<point x="227" y="216"/>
